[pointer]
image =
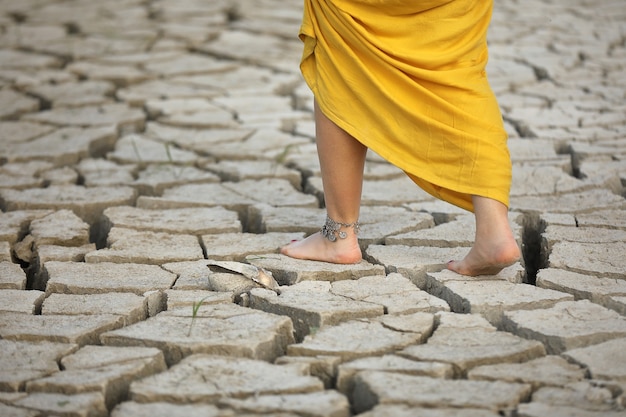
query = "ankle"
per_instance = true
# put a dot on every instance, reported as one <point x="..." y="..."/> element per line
<point x="333" y="229"/>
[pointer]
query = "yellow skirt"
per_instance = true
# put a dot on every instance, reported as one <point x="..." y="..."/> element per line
<point x="407" y="79"/>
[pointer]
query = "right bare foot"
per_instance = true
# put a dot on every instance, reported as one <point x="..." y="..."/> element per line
<point x="318" y="248"/>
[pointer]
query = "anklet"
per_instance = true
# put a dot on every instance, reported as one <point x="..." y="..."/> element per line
<point x="332" y="229"/>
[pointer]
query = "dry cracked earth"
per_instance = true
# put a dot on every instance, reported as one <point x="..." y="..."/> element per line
<point x="142" y="141"/>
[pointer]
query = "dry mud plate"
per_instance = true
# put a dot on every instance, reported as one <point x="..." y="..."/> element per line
<point x="155" y="156"/>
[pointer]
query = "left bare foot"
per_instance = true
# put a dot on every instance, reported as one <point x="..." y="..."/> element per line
<point x="318" y="248"/>
<point x="487" y="258"/>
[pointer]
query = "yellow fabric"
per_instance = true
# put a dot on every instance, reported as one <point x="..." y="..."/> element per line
<point x="407" y="79"/>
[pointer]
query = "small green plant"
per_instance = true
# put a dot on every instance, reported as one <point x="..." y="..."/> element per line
<point x="194" y="312"/>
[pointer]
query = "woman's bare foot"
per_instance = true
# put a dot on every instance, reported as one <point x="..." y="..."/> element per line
<point x="487" y="258"/>
<point x="318" y="248"/>
<point x="495" y="247"/>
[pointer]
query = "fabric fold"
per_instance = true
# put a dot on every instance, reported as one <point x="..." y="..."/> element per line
<point x="407" y="79"/>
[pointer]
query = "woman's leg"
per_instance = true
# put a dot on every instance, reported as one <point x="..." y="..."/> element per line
<point x="342" y="159"/>
<point x="495" y="247"/>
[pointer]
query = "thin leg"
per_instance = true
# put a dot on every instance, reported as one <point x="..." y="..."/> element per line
<point x="342" y="159"/>
<point x="495" y="247"/>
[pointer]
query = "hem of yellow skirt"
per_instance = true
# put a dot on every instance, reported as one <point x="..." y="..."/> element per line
<point x="460" y="197"/>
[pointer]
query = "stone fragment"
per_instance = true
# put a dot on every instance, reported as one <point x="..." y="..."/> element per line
<point x="202" y="141"/>
<point x="225" y="329"/>
<point x="391" y="410"/>
<point x="246" y="47"/>
<point x="20" y="301"/>
<point x="263" y="218"/>
<point x="584" y="286"/>
<point x="489" y="297"/>
<point x="598" y="396"/>
<point x="7" y="410"/>
<point x="192" y="221"/>
<point x="131" y="307"/>
<point x="536" y="409"/>
<point x="156" y="178"/>
<point x="397" y="294"/>
<point x="164" y="409"/>
<point x="245" y="80"/>
<point x="171" y="106"/>
<point x="311" y="309"/>
<point x="87" y="203"/>
<point x="581" y="202"/>
<point x="18" y="59"/>
<point x="48" y="253"/>
<point x="24" y="361"/>
<point x="213" y="117"/>
<point x="254" y="170"/>
<point x="24" y="250"/>
<point x="12" y="276"/>
<point x="102" y="172"/>
<point x="288" y="271"/>
<point x="209" y="379"/>
<point x="19" y="131"/>
<point x="374" y="387"/>
<point x="5" y="252"/>
<point x="389" y="363"/>
<point x="354" y="339"/>
<point x="13" y="104"/>
<point x="379" y="223"/>
<point x="546" y="371"/>
<point x="413" y="262"/>
<point x="74" y="94"/>
<point x="236" y="284"/>
<point x="84" y="278"/>
<point x="316" y="404"/>
<point x="124" y="118"/>
<point x="603" y="259"/>
<point x="189" y="64"/>
<point x="567" y="325"/>
<point x="276" y="192"/>
<point x="76" y="405"/>
<point x="60" y="176"/>
<point x="455" y="320"/>
<point x="535" y="150"/>
<point x="106" y="370"/>
<point x="270" y="142"/>
<point x="192" y="275"/>
<point x="65" y="146"/>
<point x="79" y="329"/>
<point x="559" y="219"/>
<point x="322" y="367"/>
<point x="137" y="95"/>
<point x="137" y="149"/>
<point x="155" y="248"/>
<point x="61" y="228"/>
<point x="238" y="246"/>
<point x="603" y="218"/>
<point x="606" y="360"/>
<point x="120" y="75"/>
<point x="236" y="196"/>
<point x="544" y="180"/>
<point x="393" y="192"/>
<point x="555" y="233"/>
<point x="467" y="348"/>
<point x="19" y="182"/>
<point x="191" y="298"/>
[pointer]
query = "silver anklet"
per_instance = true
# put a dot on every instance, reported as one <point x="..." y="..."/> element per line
<point x="332" y="229"/>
